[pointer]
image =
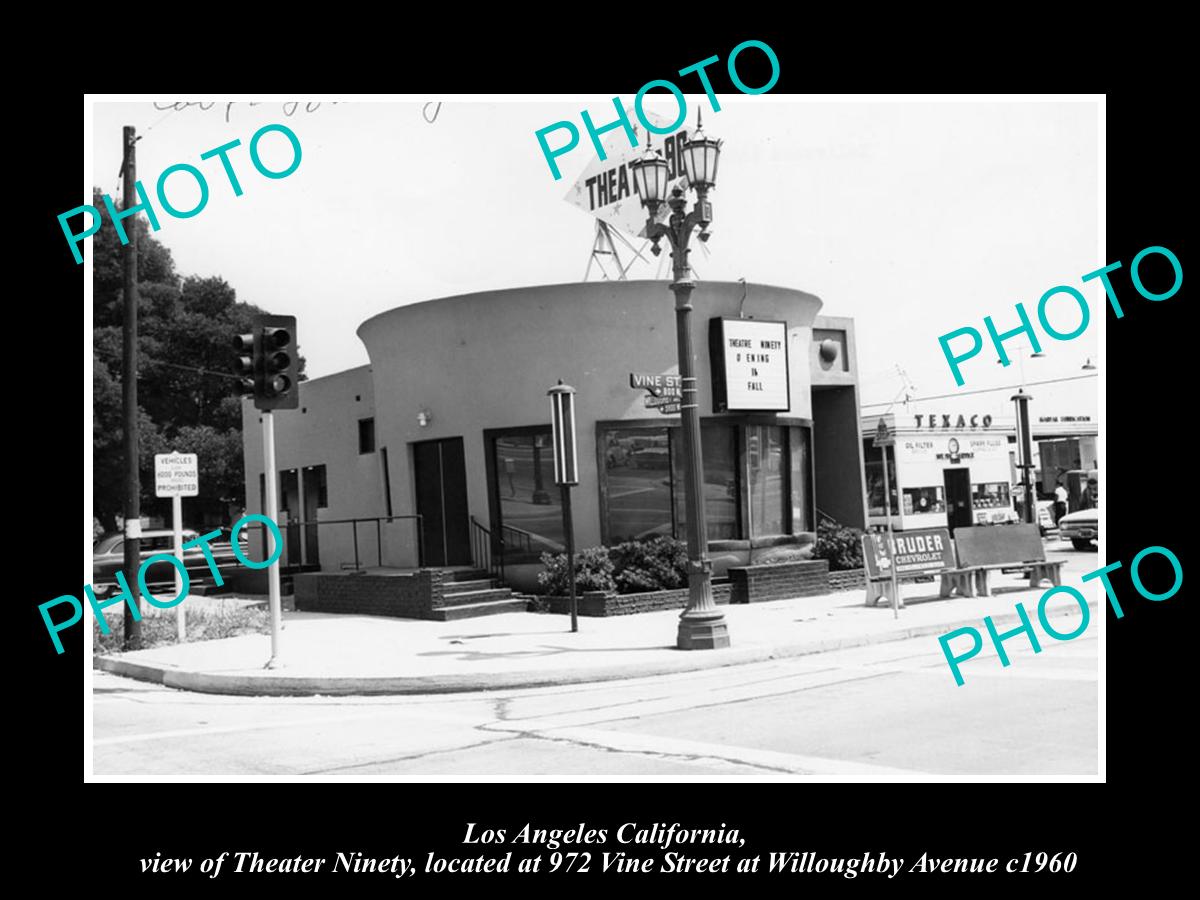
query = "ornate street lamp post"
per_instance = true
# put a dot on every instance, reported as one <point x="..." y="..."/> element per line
<point x="702" y="625"/>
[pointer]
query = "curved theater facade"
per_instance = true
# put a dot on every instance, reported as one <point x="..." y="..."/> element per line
<point x="451" y="422"/>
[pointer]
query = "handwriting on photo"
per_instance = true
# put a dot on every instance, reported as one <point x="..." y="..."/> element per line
<point x="145" y="206"/>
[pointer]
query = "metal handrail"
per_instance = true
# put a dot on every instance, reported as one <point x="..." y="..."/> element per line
<point x="826" y="517"/>
<point x="524" y="538"/>
<point x="378" y="520"/>
<point x="482" y="542"/>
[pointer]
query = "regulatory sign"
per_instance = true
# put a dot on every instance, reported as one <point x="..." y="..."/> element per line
<point x="923" y="552"/>
<point x="176" y="475"/>
<point x="883" y="437"/>
<point x="606" y="188"/>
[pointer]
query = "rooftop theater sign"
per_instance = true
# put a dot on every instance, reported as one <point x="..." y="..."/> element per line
<point x="608" y="191"/>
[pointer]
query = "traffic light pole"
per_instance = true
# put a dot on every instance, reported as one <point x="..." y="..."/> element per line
<point x="272" y="511"/>
<point x="270" y="372"/>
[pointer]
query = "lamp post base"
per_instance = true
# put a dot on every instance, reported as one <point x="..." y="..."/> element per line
<point x="708" y="632"/>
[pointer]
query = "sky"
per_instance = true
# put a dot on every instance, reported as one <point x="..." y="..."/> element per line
<point x="914" y="218"/>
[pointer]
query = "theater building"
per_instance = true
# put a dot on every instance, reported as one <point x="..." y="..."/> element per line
<point x="450" y="422"/>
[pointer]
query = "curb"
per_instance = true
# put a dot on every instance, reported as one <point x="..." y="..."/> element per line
<point x="333" y="685"/>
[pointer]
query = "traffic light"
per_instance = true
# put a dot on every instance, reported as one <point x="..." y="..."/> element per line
<point x="243" y="363"/>
<point x="266" y="362"/>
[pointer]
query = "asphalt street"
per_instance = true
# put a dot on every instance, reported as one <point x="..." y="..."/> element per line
<point x="884" y="710"/>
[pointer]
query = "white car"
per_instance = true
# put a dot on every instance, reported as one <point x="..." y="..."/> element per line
<point x="1081" y="528"/>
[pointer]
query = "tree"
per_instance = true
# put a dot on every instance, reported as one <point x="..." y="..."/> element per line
<point x="187" y="395"/>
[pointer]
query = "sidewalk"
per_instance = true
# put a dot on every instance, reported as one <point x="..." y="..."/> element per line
<point x="341" y="654"/>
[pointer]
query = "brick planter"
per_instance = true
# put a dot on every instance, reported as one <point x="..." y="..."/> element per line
<point x="412" y="596"/>
<point x="846" y="580"/>
<point x="601" y="603"/>
<point x="781" y="581"/>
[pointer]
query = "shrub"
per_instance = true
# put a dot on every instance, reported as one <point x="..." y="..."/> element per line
<point x="593" y="572"/>
<point x="839" y="544"/>
<point x="204" y="623"/>
<point x="657" y="564"/>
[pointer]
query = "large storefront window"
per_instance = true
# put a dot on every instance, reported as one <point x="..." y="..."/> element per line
<point x="528" y="499"/>
<point x="801" y="479"/>
<point x="757" y="481"/>
<point x="923" y="500"/>
<point x="637" y="468"/>
<point x="767" y="479"/>
<point x="722" y="487"/>
<point x="873" y="467"/>
<point x="991" y="495"/>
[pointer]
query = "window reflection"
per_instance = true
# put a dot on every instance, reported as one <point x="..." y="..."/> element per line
<point x="530" y="507"/>
<point x="801" y="491"/>
<point x="990" y="495"/>
<point x="644" y="481"/>
<point x="637" y="464"/>
<point x="718" y="448"/>
<point x="765" y="476"/>
<point x="923" y="500"/>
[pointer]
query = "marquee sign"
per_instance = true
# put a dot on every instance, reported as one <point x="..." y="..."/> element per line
<point x="750" y="365"/>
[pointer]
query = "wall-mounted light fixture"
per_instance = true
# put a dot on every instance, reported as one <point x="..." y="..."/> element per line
<point x="424" y="418"/>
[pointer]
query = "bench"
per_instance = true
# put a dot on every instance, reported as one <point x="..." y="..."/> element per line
<point x="982" y="549"/>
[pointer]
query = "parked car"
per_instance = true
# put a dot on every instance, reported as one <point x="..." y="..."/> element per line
<point x="1081" y="528"/>
<point x="108" y="556"/>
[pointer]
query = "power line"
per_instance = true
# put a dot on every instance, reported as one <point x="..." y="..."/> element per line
<point x="197" y="369"/>
<point x="202" y="371"/>
<point x="1009" y="387"/>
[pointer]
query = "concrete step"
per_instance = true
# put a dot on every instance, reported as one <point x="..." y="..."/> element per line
<point x="470" y="611"/>
<point x="467" y="598"/>
<point x="475" y="584"/>
<point x="468" y="574"/>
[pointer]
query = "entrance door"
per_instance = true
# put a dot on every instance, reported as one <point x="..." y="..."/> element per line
<point x="958" y="498"/>
<point x="312" y="495"/>
<point x="289" y="489"/>
<point x="441" y="488"/>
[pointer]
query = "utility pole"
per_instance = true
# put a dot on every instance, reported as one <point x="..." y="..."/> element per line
<point x="1024" y="445"/>
<point x="133" y="487"/>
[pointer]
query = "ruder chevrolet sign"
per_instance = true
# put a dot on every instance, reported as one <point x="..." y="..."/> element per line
<point x="750" y="365"/>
